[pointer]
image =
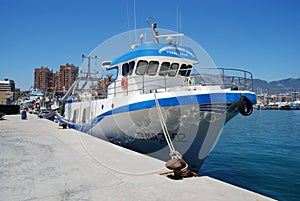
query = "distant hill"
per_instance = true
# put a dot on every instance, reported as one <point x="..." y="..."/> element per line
<point x="277" y="87"/>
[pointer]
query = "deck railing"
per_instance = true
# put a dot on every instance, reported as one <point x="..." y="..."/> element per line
<point x="236" y="79"/>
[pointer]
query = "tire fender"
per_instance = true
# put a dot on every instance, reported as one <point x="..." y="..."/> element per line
<point x="245" y="107"/>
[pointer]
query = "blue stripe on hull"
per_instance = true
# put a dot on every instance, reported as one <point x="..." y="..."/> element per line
<point x="166" y="102"/>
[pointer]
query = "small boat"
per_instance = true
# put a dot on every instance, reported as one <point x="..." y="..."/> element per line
<point x="156" y="100"/>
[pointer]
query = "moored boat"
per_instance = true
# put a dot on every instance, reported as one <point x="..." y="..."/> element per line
<point x="155" y="99"/>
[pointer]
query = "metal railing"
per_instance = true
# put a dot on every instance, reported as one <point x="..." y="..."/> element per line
<point x="235" y="79"/>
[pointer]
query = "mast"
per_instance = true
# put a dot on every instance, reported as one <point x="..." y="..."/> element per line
<point x="153" y="24"/>
<point x="88" y="73"/>
<point x="156" y="36"/>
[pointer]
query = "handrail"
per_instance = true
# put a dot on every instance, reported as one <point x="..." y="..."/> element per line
<point x="238" y="79"/>
<point x="244" y="81"/>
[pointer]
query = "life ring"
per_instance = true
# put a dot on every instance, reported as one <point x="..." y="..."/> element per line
<point x="124" y="83"/>
<point x="245" y="106"/>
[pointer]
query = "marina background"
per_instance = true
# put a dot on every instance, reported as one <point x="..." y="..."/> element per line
<point x="259" y="36"/>
<point x="260" y="153"/>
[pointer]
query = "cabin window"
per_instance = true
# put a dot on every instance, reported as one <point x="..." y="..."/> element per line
<point x="188" y="72"/>
<point x="125" y="69"/>
<point x="141" y="67"/>
<point x="173" y="69"/>
<point x="185" y="70"/>
<point x="152" y="68"/>
<point x="182" y="70"/>
<point x="164" y="68"/>
<point x="131" y="67"/>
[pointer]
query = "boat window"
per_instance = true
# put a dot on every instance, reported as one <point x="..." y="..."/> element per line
<point x="185" y="70"/>
<point x="189" y="67"/>
<point x="141" y="67"/>
<point x="173" y="69"/>
<point x="131" y="67"/>
<point x="125" y="69"/>
<point x="164" y="68"/>
<point x="182" y="70"/>
<point x="152" y="68"/>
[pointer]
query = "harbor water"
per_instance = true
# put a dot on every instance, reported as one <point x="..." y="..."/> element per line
<point x="260" y="153"/>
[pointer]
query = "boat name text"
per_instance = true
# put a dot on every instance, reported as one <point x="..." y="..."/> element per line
<point x="176" y="51"/>
<point x="176" y="137"/>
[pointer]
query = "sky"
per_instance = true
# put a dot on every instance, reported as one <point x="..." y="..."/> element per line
<point x="261" y="36"/>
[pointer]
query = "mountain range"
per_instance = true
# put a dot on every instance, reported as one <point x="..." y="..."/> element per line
<point x="276" y="87"/>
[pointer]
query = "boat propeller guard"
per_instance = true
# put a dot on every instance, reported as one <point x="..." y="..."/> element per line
<point x="245" y="106"/>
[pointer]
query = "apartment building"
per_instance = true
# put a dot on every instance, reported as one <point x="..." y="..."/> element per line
<point x="60" y="81"/>
<point x="43" y="78"/>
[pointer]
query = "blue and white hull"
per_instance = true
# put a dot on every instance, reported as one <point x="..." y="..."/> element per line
<point x="193" y="121"/>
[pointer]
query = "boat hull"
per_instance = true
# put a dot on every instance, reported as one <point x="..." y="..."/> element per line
<point x="193" y="132"/>
<point x="194" y="125"/>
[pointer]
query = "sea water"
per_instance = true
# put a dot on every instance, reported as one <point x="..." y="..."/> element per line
<point x="260" y="153"/>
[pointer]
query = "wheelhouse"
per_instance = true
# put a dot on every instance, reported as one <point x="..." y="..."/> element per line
<point x="152" y="67"/>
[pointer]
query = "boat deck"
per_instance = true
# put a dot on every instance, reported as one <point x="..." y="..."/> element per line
<point x="40" y="161"/>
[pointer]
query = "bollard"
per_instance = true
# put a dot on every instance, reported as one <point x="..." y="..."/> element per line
<point x="23" y="115"/>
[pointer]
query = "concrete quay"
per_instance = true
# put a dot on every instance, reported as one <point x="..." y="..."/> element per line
<point x="40" y="161"/>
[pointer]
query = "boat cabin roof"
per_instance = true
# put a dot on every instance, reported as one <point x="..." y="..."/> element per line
<point x="157" y="50"/>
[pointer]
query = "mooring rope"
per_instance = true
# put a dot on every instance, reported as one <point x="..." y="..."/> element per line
<point x="173" y="153"/>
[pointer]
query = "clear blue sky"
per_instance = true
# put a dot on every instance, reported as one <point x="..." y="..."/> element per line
<point x="262" y="36"/>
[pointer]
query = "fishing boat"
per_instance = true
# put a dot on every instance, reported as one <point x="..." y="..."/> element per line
<point x="156" y="100"/>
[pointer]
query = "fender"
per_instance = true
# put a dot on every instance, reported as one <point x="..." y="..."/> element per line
<point x="245" y="107"/>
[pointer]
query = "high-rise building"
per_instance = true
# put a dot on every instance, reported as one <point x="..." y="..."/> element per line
<point x="43" y="79"/>
<point x="65" y="77"/>
<point x="47" y="81"/>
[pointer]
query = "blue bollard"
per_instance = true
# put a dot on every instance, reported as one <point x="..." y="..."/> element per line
<point x="23" y="115"/>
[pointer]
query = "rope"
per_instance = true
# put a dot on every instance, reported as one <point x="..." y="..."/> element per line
<point x="173" y="153"/>
<point x="111" y="168"/>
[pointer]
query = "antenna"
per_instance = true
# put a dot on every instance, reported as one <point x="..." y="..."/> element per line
<point x="177" y="18"/>
<point x="180" y="22"/>
<point x="128" y="22"/>
<point x="134" y="20"/>
<point x="180" y="26"/>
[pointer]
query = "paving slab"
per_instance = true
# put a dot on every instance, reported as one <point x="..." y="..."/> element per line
<point x="41" y="161"/>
